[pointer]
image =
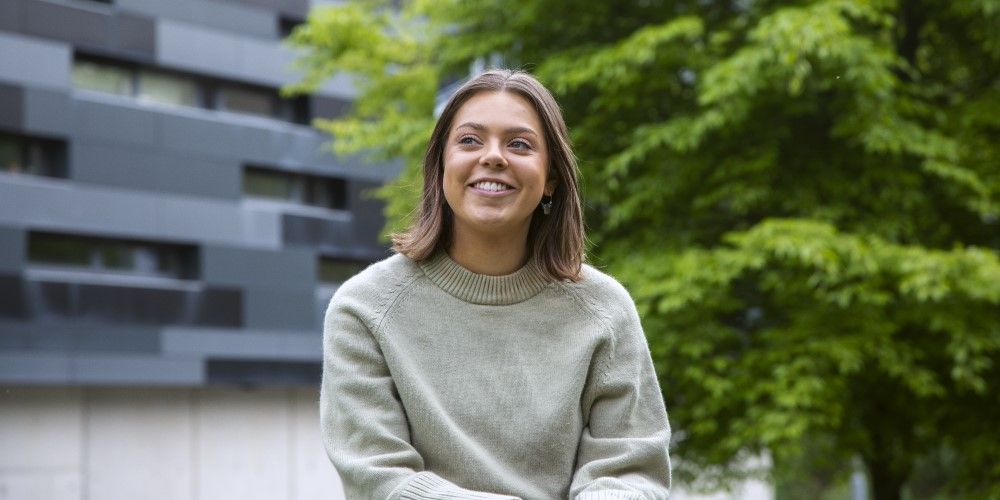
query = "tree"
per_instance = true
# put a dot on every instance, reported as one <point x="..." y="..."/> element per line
<point x="801" y="196"/>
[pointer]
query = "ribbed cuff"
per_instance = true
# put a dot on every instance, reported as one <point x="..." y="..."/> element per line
<point x="609" y="495"/>
<point x="430" y="486"/>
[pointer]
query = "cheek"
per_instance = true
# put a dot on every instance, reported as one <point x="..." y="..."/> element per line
<point x="539" y="175"/>
<point x="452" y="183"/>
<point x="451" y="164"/>
<point x="449" y="178"/>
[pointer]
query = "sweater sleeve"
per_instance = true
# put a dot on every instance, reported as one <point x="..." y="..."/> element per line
<point x="623" y="450"/>
<point x="363" y="422"/>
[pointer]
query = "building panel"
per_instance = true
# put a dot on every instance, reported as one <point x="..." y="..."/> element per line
<point x="265" y="62"/>
<point x="144" y="169"/>
<point x="99" y="163"/>
<point x="58" y="205"/>
<point x="34" y="62"/>
<point x="293" y="269"/>
<point x="268" y="308"/>
<point x="87" y="25"/>
<point x="110" y="121"/>
<point x="134" y="34"/>
<point x="14" y="303"/>
<point x="48" y="111"/>
<point x="76" y="337"/>
<point x="192" y="175"/>
<point x="295" y="8"/>
<point x="9" y="15"/>
<point x="105" y="370"/>
<point x="199" y="136"/>
<point x="12" y="104"/>
<point x="12" y="250"/>
<point x="243" y="19"/>
<point x="244" y="345"/>
<point x="367" y="216"/>
<point x="31" y="367"/>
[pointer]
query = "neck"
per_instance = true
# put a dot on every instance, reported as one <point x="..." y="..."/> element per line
<point x="492" y="254"/>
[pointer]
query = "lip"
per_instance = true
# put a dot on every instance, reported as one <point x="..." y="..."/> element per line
<point x="472" y="186"/>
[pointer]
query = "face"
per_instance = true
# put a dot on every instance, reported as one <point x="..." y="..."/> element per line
<point x="495" y="164"/>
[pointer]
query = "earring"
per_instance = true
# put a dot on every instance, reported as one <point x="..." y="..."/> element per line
<point x="547" y="206"/>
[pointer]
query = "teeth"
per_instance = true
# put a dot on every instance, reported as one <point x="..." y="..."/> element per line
<point x="491" y="186"/>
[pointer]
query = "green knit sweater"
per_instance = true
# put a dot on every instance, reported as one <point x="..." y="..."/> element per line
<point x="442" y="383"/>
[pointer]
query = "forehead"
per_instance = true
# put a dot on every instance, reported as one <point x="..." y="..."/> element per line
<point x="498" y="109"/>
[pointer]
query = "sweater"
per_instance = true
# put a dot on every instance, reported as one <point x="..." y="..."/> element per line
<point x="440" y="383"/>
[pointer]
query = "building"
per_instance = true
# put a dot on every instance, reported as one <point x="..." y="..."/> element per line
<point x="170" y="233"/>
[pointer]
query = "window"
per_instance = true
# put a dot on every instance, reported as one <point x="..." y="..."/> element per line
<point x="295" y="110"/>
<point x="286" y="25"/>
<point x="324" y="193"/>
<point x="329" y="107"/>
<point x="263" y="372"/>
<point x="154" y="85"/>
<point x="335" y="271"/>
<point x="167" y="89"/>
<point x="246" y="100"/>
<point x="268" y="184"/>
<point x="144" y="84"/>
<point x="112" y="256"/>
<point x="24" y="155"/>
<point x="103" y="77"/>
<point x="302" y="189"/>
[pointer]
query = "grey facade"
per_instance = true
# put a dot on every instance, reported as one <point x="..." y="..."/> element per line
<point x="132" y="251"/>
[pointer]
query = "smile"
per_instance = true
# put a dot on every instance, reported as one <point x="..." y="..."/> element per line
<point x="492" y="187"/>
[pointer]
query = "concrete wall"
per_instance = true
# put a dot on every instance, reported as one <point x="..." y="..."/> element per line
<point x="177" y="444"/>
<point x="169" y="444"/>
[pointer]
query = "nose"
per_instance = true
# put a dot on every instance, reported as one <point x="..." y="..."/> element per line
<point x="493" y="156"/>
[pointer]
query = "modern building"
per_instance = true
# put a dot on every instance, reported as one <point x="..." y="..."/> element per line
<point x="170" y="233"/>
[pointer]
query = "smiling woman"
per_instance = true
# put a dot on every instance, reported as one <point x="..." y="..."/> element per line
<point x="536" y="126"/>
<point x="495" y="174"/>
<point x="485" y="360"/>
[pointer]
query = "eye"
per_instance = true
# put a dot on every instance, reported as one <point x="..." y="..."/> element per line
<point x="468" y="139"/>
<point x="520" y="144"/>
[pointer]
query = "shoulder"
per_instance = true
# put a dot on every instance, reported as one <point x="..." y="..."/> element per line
<point x="601" y="294"/>
<point x="380" y="274"/>
<point x="371" y="290"/>
<point x="601" y="288"/>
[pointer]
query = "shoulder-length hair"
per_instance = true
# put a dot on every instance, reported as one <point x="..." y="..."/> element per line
<point x="555" y="241"/>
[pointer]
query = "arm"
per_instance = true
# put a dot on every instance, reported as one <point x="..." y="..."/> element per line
<point x="623" y="449"/>
<point x="363" y="422"/>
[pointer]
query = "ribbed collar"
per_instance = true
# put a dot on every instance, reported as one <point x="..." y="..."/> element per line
<point x="466" y="285"/>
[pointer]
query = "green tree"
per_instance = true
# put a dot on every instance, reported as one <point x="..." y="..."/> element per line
<point x="800" y="195"/>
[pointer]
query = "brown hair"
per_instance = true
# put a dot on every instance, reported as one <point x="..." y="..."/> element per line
<point x="555" y="241"/>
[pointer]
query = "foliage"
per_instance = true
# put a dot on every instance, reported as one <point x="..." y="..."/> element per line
<point x="800" y="195"/>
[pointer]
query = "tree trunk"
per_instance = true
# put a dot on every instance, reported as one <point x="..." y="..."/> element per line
<point x="886" y="483"/>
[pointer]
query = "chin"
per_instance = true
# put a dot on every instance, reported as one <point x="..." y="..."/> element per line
<point x="490" y="223"/>
<point x="494" y="221"/>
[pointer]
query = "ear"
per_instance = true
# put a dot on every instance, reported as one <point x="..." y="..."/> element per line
<point x="550" y="187"/>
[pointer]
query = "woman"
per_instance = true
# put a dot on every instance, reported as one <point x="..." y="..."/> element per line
<point x="484" y="360"/>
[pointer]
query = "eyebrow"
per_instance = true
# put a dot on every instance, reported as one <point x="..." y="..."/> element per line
<point x="512" y="130"/>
